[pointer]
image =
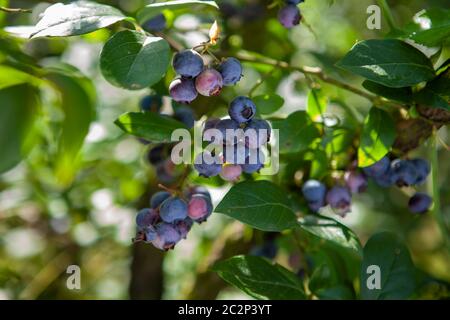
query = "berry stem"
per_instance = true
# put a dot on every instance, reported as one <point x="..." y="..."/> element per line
<point x="172" y="42"/>
<point x="172" y="191"/>
<point x="15" y="10"/>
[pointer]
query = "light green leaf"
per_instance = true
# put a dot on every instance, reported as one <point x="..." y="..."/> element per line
<point x="149" y="125"/>
<point x="151" y="10"/>
<point x="268" y="103"/>
<point x="392" y="63"/>
<point x="377" y="137"/>
<point x="134" y="61"/>
<point x="260" y="279"/>
<point x="10" y="77"/>
<point x="260" y="204"/>
<point x="79" y="17"/>
<point x="316" y="104"/>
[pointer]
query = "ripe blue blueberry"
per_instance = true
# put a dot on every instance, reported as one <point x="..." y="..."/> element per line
<point x="314" y="191"/>
<point x="316" y="205"/>
<point x="183" y="90"/>
<point x="151" y="103"/>
<point x="229" y="129"/>
<point x="167" y="236"/>
<point x="197" y="190"/>
<point x="146" y="217"/>
<point x="183" y="227"/>
<point x="208" y="131"/>
<point x="257" y="133"/>
<point x="155" y="24"/>
<point x="422" y="169"/>
<point x="242" y="109"/>
<point x="207" y="165"/>
<point x="267" y="250"/>
<point x="356" y="182"/>
<point x="185" y="115"/>
<point x="209" y="83"/>
<point x="173" y="209"/>
<point x="420" y="203"/>
<point x="339" y="198"/>
<point x="156" y="154"/>
<point x="235" y="154"/>
<point x="378" y="168"/>
<point x="188" y="63"/>
<point x="385" y="180"/>
<point x="199" y="207"/>
<point x="231" y="172"/>
<point x="231" y="71"/>
<point x="254" y="162"/>
<point x="150" y="234"/>
<point x="158" y="198"/>
<point x="404" y="172"/>
<point x="289" y="16"/>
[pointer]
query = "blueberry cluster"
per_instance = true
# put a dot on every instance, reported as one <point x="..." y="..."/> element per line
<point x="384" y="172"/>
<point x="242" y="138"/>
<point x="195" y="78"/>
<point x="289" y="15"/>
<point x="170" y="217"/>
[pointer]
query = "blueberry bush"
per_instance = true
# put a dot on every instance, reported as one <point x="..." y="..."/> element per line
<point x="337" y="165"/>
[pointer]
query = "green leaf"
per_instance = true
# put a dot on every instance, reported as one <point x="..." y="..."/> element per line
<point x="17" y="109"/>
<point x="153" y="9"/>
<point x="78" y="101"/>
<point x="377" y="137"/>
<point x="436" y="93"/>
<point x="316" y="104"/>
<point x="260" y="204"/>
<point x="149" y="125"/>
<point x="10" y="77"/>
<point x="134" y="61"/>
<point x="268" y="103"/>
<point x="297" y="132"/>
<point x="398" y="275"/>
<point x="397" y="94"/>
<point x="79" y="17"/>
<point x="260" y="279"/>
<point x="319" y="163"/>
<point x="392" y="63"/>
<point x="431" y="27"/>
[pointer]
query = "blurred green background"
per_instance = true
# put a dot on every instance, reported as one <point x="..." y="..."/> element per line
<point x="82" y="211"/>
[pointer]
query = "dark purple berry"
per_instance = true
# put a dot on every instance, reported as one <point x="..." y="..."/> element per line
<point x="208" y="131"/>
<point x="257" y="133"/>
<point x="183" y="90"/>
<point x="422" y="169"/>
<point x="167" y="236"/>
<point x="242" y="109"/>
<point x="207" y="165"/>
<point x="209" y="83"/>
<point x="316" y="205"/>
<point x="173" y="209"/>
<point x="254" y="162"/>
<point x="151" y="103"/>
<point x="158" y="198"/>
<point x="188" y="63"/>
<point x="235" y="154"/>
<point x="155" y="24"/>
<point x="231" y="71"/>
<point x="420" y="203"/>
<point x="356" y="182"/>
<point x="230" y="131"/>
<point x="156" y="154"/>
<point x="185" y="115"/>
<point x="197" y="190"/>
<point x="378" y="168"/>
<point x="146" y="217"/>
<point x="183" y="227"/>
<point x="339" y="198"/>
<point x="385" y="180"/>
<point x="289" y="16"/>
<point x="404" y="172"/>
<point x="267" y="250"/>
<point x="199" y="208"/>
<point x="314" y="191"/>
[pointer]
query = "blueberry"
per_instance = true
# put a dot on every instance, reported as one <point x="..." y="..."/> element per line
<point x="209" y="83"/>
<point x="155" y="24"/>
<point x="151" y="103"/>
<point x="183" y="90"/>
<point x="158" y="198"/>
<point x="231" y="71"/>
<point x="404" y="172"/>
<point x="420" y="203"/>
<point x="173" y="209"/>
<point x="289" y="16"/>
<point x="293" y="1"/>
<point x="316" y="205"/>
<point x="146" y="217"/>
<point x="185" y="115"/>
<point x="235" y="154"/>
<point x="385" y="180"/>
<point x="199" y="208"/>
<point x="356" y="182"/>
<point x="314" y="191"/>
<point x="188" y="63"/>
<point x="257" y="133"/>
<point x="207" y="129"/>
<point x="422" y="169"/>
<point x="339" y="198"/>
<point x="231" y="172"/>
<point x="242" y="109"/>
<point x="267" y="250"/>
<point x="156" y="154"/>
<point x="165" y="171"/>
<point x="254" y="162"/>
<point x="167" y="236"/>
<point x="150" y="234"/>
<point x="230" y="131"/>
<point x="183" y="227"/>
<point x="207" y="165"/>
<point x="197" y="190"/>
<point x="378" y="168"/>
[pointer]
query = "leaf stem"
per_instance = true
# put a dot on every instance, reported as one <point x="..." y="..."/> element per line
<point x="15" y="10"/>
<point x="387" y="14"/>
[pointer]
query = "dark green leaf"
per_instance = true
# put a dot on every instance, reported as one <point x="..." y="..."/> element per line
<point x="431" y="27"/>
<point x="377" y="137"/>
<point x="397" y="94"/>
<point x="149" y="125"/>
<point x="17" y="109"/>
<point x="392" y="63"/>
<point x="297" y="132"/>
<point x="398" y="274"/>
<point x="79" y="17"/>
<point x="268" y="103"/>
<point x="319" y="163"/>
<point x="436" y="93"/>
<point x="151" y="10"/>
<point x="260" y="279"/>
<point x="260" y="204"/>
<point x="134" y="61"/>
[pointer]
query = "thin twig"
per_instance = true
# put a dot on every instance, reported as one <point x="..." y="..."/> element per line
<point x="15" y="10"/>
<point x="172" y="42"/>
